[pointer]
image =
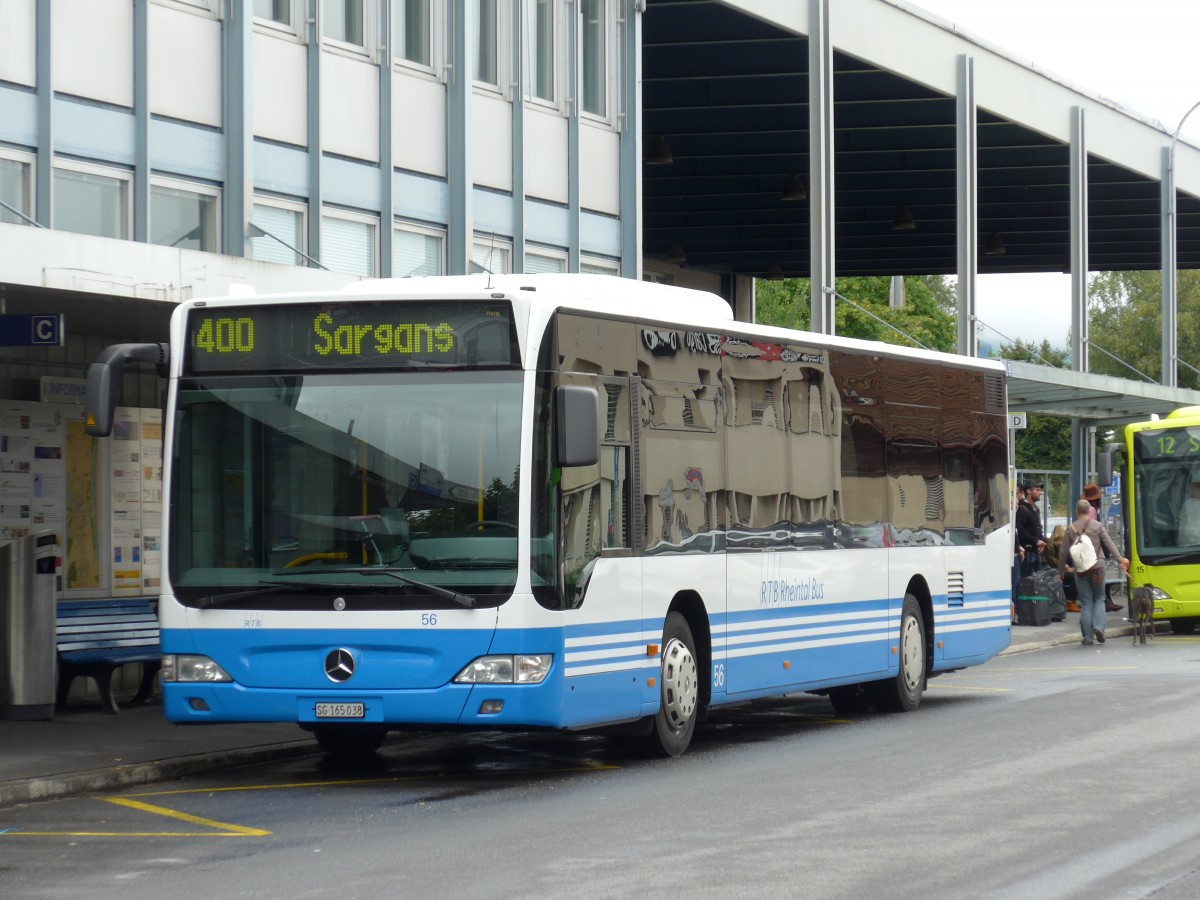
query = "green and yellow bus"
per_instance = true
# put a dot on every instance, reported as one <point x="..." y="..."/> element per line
<point x="1159" y="462"/>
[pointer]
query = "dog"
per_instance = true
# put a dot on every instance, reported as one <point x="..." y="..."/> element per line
<point x="1141" y="613"/>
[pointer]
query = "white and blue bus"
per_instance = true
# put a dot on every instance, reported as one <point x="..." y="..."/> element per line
<point x="564" y="502"/>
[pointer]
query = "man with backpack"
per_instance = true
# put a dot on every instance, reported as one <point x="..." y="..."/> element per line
<point x="1082" y="545"/>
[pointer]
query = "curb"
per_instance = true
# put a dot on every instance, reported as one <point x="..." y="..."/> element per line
<point x="55" y="787"/>
<point x="1125" y="629"/>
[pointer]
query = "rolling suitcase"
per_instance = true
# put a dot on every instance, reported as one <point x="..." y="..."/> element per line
<point x="1049" y="586"/>
<point x="1033" y="604"/>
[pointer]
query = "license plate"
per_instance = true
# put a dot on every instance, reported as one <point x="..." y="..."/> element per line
<point x="340" y="711"/>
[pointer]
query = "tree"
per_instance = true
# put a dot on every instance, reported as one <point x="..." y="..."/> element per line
<point x="1125" y="318"/>
<point x="1045" y="441"/>
<point x="929" y="315"/>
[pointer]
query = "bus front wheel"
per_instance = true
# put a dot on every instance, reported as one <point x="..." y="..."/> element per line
<point x="1183" y="626"/>
<point x="903" y="693"/>
<point x="679" y="679"/>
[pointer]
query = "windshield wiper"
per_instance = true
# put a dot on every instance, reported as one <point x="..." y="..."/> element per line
<point x="221" y="599"/>
<point x="465" y="600"/>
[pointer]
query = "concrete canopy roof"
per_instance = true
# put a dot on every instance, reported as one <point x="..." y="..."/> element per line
<point x="726" y="84"/>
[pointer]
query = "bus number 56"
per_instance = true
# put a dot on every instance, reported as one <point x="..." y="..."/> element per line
<point x="718" y="675"/>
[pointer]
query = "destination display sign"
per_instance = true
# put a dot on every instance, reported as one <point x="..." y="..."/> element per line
<point x="1168" y="443"/>
<point x="368" y="335"/>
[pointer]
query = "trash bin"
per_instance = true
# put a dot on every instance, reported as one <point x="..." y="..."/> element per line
<point x="27" y="652"/>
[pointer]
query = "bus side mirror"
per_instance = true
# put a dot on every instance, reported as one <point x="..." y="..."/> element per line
<point x="104" y="376"/>
<point x="1105" y="463"/>
<point x="577" y="425"/>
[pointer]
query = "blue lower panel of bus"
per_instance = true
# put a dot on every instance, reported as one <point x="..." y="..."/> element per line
<point x="399" y="677"/>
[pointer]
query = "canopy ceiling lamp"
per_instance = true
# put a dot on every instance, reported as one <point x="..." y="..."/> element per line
<point x="774" y="272"/>
<point x="904" y="220"/>
<point x="795" y="189"/>
<point x="657" y="151"/>
<point x="675" y="253"/>
<point x="994" y="245"/>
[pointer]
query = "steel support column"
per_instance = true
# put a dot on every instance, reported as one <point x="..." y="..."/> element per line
<point x="1079" y="272"/>
<point x="574" y="210"/>
<point x="141" y="121"/>
<point x="459" y="228"/>
<point x="1080" y="361"/>
<point x="630" y="123"/>
<point x="966" y="158"/>
<point x="237" y="106"/>
<point x="44" y="177"/>
<point x="820" y="167"/>
<point x="315" y="194"/>
<point x="1170" y="300"/>
<point x="387" y="165"/>
<point x="518" y="138"/>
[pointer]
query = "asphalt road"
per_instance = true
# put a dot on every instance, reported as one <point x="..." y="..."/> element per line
<point x="1068" y="772"/>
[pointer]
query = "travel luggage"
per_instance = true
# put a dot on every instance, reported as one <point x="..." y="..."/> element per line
<point x="1050" y="587"/>
<point x="1032" y="610"/>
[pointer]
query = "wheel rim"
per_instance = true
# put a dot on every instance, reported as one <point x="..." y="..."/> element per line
<point x="680" y="684"/>
<point x="912" y="654"/>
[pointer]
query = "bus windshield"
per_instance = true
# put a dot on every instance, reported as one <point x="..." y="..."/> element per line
<point x="319" y="480"/>
<point x="1167" y="482"/>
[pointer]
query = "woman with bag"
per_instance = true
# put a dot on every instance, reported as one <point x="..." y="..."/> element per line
<point x="1082" y="545"/>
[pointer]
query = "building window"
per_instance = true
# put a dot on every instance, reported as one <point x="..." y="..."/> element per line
<point x="542" y="261"/>
<point x="279" y="11"/>
<point x="412" y="33"/>
<point x="348" y="244"/>
<point x="599" y="267"/>
<point x="88" y="202"/>
<point x="184" y="217"/>
<point x="487" y="50"/>
<point x="542" y="68"/>
<point x="344" y="20"/>
<point x="16" y="190"/>
<point x="488" y="255"/>
<point x="282" y="225"/>
<point x="416" y="253"/>
<point x="594" y="56"/>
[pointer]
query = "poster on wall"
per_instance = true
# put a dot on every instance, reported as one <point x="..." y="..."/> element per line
<point x="32" y="472"/>
<point x="125" y="480"/>
<point x="84" y="569"/>
<point x="152" y="498"/>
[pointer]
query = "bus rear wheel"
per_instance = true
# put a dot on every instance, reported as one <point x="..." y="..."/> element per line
<point x="679" y="680"/>
<point x="349" y="741"/>
<point x="903" y="693"/>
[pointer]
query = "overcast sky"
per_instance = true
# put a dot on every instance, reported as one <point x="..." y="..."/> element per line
<point x="1141" y="54"/>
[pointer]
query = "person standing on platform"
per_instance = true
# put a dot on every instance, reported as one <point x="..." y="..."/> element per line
<point x="1018" y="553"/>
<point x="1089" y="584"/>
<point x="1092" y="493"/>
<point x="1029" y="528"/>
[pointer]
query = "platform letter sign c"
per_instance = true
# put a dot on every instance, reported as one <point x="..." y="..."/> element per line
<point x="46" y="330"/>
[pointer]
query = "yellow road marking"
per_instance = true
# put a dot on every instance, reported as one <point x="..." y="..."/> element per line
<point x="186" y="817"/>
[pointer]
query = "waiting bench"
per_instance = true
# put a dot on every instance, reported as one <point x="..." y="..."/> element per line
<point x="96" y="637"/>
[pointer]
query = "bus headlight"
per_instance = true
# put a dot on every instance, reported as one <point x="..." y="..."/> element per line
<point x="191" y="668"/>
<point x="506" y="670"/>
<point x="1159" y="594"/>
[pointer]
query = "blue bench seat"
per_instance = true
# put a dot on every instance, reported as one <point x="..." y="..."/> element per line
<point x="96" y="637"/>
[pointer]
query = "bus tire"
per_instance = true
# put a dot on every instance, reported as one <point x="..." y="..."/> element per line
<point x="679" y="687"/>
<point x="903" y="693"/>
<point x="1183" y="626"/>
<point x="349" y="740"/>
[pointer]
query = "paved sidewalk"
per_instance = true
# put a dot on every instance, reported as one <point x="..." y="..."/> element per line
<point x="84" y="749"/>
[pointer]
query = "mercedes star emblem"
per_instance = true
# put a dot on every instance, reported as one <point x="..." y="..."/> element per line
<point x="339" y="665"/>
